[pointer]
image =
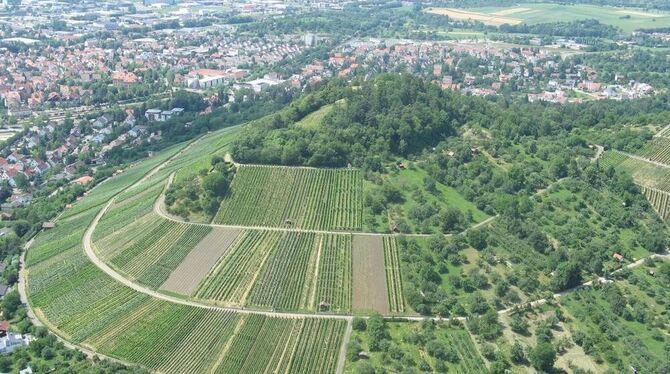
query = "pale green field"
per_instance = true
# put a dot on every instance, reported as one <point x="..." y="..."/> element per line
<point x="543" y="13"/>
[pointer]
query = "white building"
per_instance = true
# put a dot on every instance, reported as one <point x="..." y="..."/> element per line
<point x="13" y="341"/>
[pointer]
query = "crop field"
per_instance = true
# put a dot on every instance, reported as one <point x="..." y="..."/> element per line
<point x="282" y="270"/>
<point x="286" y="277"/>
<point x="465" y="15"/>
<point x="325" y="199"/>
<point x="393" y="275"/>
<point x="660" y="200"/>
<point x="231" y="279"/>
<point x="628" y="19"/>
<point x="334" y="273"/>
<point x="153" y="249"/>
<point x="644" y="173"/>
<point x="368" y="277"/>
<point x="470" y="360"/>
<point x="267" y="345"/>
<point x="657" y="150"/>
<point x="197" y="264"/>
<point x="82" y="304"/>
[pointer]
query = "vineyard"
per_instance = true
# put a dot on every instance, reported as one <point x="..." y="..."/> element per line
<point x="282" y="270"/>
<point x="286" y="277"/>
<point x="393" y="277"/>
<point x="233" y="276"/>
<point x="82" y="304"/>
<point x="660" y="200"/>
<point x="469" y="359"/>
<point x="270" y="345"/>
<point x="187" y="276"/>
<point x="333" y="290"/>
<point x="657" y="150"/>
<point x="644" y="173"/>
<point x="324" y="199"/>
<point x="149" y="249"/>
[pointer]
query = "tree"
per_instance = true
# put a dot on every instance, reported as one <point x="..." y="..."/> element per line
<point x="477" y="238"/>
<point x="519" y="324"/>
<point x="376" y="328"/>
<point x="215" y="184"/>
<point x="452" y="219"/>
<point x="359" y="324"/>
<point x="517" y="354"/>
<point x="10" y="304"/>
<point x="543" y="356"/>
<point x="365" y="368"/>
<point x="21" y="180"/>
<point x="566" y="275"/>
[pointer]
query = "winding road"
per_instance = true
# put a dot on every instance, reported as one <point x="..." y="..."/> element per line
<point x="160" y="210"/>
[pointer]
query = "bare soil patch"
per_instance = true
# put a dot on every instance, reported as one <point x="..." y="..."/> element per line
<point x="464" y="15"/>
<point x="369" y="275"/>
<point x="197" y="264"/>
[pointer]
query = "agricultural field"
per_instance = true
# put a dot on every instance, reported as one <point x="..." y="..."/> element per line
<point x="644" y="173"/>
<point x="494" y="19"/>
<point x="334" y="287"/>
<point x="393" y="275"/>
<point x="660" y="200"/>
<point x="426" y="346"/>
<point x="266" y="345"/>
<point x="369" y="279"/>
<point x="657" y="150"/>
<point x="151" y="249"/>
<point x="285" y="280"/>
<point x="233" y="276"/>
<point x="197" y="264"/>
<point x="83" y="305"/>
<point x="628" y="19"/>
<point x="321" y="199"/>
<point x="282" y="271"/>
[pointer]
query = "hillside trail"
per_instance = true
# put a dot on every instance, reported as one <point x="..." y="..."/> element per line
<point x="643" y="159"/>
<point x="159" y="209"/>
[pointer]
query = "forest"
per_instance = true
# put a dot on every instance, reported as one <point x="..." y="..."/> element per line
<point x="402" y="115"/>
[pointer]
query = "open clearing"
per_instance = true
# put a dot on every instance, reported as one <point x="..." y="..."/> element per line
<point x="628" y="19"/>
<point x="197" y="264"/>
<point x="464" y="15"/>
<point x="369" y="276"/>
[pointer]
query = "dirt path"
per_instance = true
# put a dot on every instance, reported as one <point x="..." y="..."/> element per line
<point x="643" y="159"/>
<point x="599" y="152"/>
<point x="23" y="295"/>
<point x="342" y="357"/>
<point x="159" y="209"/>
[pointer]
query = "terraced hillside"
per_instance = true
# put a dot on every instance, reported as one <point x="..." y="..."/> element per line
<point x="86" y="306"/>
<point x="653" y="179"/>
